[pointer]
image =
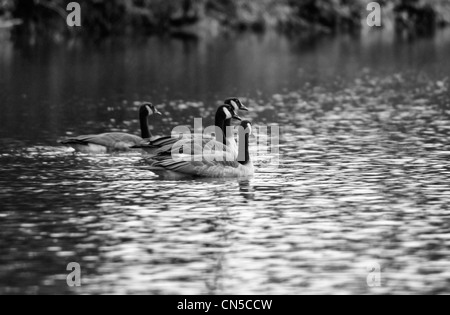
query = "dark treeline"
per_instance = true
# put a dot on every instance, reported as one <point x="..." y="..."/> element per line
<point x="194" y="17"/>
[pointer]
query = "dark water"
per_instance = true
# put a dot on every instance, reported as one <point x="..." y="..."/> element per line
<point x="363" y="178"/>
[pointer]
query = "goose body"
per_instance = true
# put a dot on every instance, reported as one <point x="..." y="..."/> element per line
<point x="193" y="145"/>
<point x="209" y="166"/>
<point x="208" y="169"/>
<point x="103" y="143"/>
<point x="114" y="141"/>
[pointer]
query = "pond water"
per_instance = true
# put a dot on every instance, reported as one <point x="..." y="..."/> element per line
<point x="362" y="183"/>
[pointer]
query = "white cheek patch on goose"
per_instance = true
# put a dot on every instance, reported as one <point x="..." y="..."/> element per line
<point x="235" y="105"/>
<point x="150" y="112"/>
<point x="227" y="113"/>
<point x="249" y="130"/>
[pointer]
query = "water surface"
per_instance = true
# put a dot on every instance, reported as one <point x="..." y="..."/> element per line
<point x="362" y="181"/>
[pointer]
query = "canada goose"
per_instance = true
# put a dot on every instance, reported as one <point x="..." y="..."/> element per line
<point x="114" y="141"/>
<point x="234" y="106"/>
<point x="224" y="141"/>
<point x="241" y="167"/>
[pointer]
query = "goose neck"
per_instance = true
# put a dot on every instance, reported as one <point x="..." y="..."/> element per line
<point x="145" y="130"/>
<point x="244" y="153"/>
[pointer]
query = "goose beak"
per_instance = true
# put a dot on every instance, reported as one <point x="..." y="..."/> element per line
<point x="235" y="116"/>
<point x="244" y="108"/>
<point x="157" y="112"/>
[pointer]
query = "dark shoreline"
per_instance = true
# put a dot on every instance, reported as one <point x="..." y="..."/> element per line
<point x="203" y="18"/>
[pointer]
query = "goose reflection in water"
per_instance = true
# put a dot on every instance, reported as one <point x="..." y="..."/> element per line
<point x="246" y="190"/>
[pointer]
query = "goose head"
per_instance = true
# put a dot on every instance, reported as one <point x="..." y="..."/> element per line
<point x="247" y="127"/>
<point x="148" y="109"/>
<point x="236" y="104"/>
<point x="227" y="113"/>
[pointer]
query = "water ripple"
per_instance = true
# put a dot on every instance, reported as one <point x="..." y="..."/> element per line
<point x="363" y="178"/>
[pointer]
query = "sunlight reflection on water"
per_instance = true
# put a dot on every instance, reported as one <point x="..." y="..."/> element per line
<point x="341" y="198"/>
<point x="363" y="178"/>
